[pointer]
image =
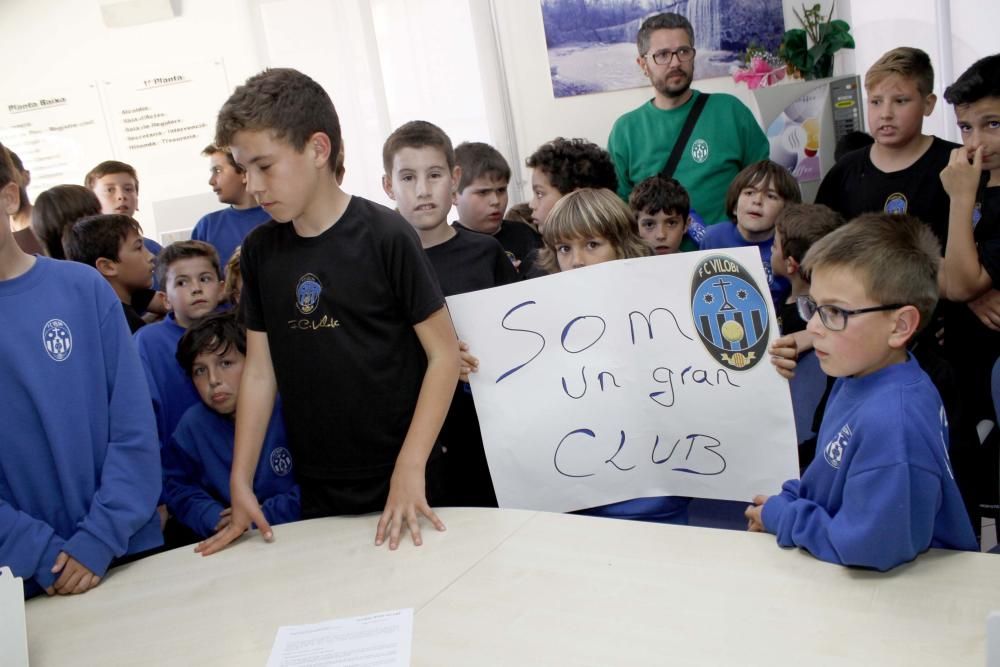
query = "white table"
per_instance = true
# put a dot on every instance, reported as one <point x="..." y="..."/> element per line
<point x="507" y="587"/>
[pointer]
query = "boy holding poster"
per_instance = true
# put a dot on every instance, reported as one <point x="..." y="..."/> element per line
<point x="881" y="488"/>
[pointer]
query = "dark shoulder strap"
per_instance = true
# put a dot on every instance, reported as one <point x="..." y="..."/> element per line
<point x="682" y="139"/>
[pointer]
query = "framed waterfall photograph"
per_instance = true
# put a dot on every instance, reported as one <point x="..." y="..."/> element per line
<point x="592" y="43"/>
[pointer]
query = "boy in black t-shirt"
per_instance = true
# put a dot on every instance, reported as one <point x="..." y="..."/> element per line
<point x="898" y="173"/>
<point x="421" y="177"/>
<point x="970" y="270"/>
<point x="481" y="200"/>
<point x="344" y="317"/>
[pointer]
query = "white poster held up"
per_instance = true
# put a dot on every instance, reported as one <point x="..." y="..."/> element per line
<point x="628" y="379"/>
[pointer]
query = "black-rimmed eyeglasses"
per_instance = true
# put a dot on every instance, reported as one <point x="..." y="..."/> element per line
<point x="685" y="54"/>
<point x="833" y="317"/>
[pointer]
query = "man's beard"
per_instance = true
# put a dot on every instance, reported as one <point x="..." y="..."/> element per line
<point x="677" y="90"/>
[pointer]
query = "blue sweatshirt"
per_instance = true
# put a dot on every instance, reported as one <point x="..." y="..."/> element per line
<point x="197" y="462"/>
<point x="227" y="228"/>
<point x="881" y="489"/>
<point x="726" y="235"/>
<point x="170" y="387"/>
<point x="80" y="470"/>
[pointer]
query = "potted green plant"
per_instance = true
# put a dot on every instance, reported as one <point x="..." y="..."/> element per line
<point x="826" y="37"/>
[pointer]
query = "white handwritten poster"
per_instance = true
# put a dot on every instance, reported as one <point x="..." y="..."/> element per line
<point x="59" y="133"/>
<point x="629" y="379"/>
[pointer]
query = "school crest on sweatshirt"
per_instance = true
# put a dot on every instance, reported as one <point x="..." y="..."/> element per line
<point x="57" y="339"/>
<point x="834" y="450"/>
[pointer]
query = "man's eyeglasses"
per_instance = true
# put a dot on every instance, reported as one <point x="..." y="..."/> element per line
<point x="833" y="317"/>
<point x="685" y="54"/>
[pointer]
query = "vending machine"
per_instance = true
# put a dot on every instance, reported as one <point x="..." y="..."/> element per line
<point x="804" y="120"/>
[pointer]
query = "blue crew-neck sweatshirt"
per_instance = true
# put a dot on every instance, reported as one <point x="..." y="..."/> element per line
<point x="881" y="488"/>
<point x="80" y="469"/>
<point x="197" y="462"/>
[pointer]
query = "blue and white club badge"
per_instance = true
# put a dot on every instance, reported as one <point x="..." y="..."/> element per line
<point x="896" y="203"/>
<point x="730" y="312"/>
<point x="281" y="461"/>
<point x="57" y="339"/>
<point x="307" y="293"/>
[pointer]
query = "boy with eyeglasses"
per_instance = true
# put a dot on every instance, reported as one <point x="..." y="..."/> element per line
<point x="881" y="489"/>
<point x="725" y="138"/>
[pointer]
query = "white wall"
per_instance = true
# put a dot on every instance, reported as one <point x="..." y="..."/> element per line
<point x="479" y="68"/>
<point x="382" y="61"/>
<point x="64" y="42"/>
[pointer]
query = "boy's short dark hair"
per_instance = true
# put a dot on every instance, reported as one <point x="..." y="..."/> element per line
<point x="57" y="208"/>
<point x="801" y="225"/>
<point x="212" y="149"/>
<point x="110" y="167"/>
<point x="982" y="79"/>
<point x="96" y="236"/>
<point x="183" y="250"/>
<point x="664" y="21"/>
<point x="416" y="134"/>
<point x="479" y="160"/>
<point x="657" y="194"/>
<point x="282" y="101"/>
<point x="214" y="333"/>
<point x="906" y="62"/>
<point x="764" y="171"/>
<point x="574" y="163"/>
<point x="894" y="256"/>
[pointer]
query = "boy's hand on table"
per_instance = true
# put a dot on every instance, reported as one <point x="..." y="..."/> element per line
<point x="466" y="362"/>
<point x="244" y="512"/>
<point x="755" y="523"/>
<point x="225" y="517"/>
<point x="407" y="499"/>
<point x="74" y="577"/>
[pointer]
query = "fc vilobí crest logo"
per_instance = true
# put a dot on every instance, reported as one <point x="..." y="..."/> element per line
<point x="730" y="312"/>
<point x="307" y="293"/>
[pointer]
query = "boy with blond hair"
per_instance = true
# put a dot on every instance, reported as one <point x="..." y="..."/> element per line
<point x="421" y="177"/>
<point x="342" y="311"/>
<point x="899" y="172"/>
<point x="880" y="490"/>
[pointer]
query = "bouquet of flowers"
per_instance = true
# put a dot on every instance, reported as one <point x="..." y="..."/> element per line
<point x="762" y="69"/>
